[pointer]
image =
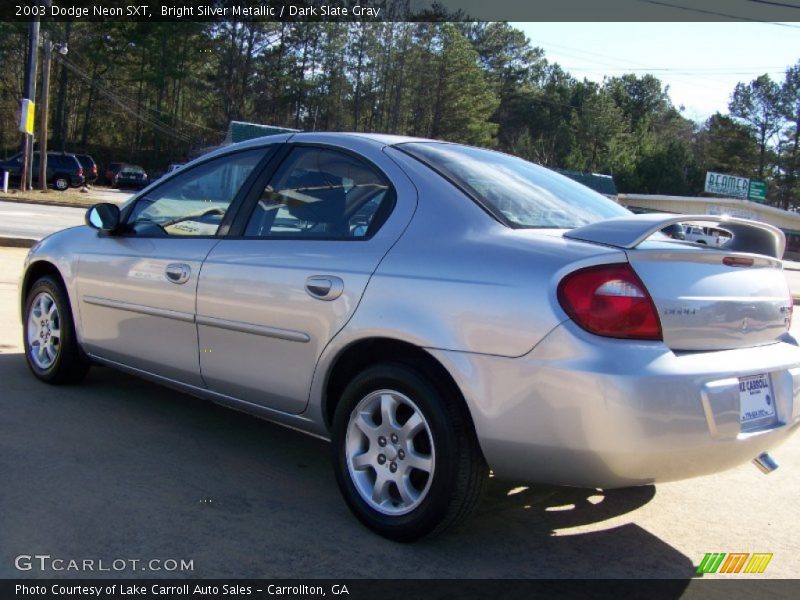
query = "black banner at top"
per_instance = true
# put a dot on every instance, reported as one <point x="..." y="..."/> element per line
<point x="403" y="10"/>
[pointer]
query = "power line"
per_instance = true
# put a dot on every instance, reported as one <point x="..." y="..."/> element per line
<point x="676" y="71"/>
<point x="114" y="98"/>
<point x="685" y="77"/>
<point x="717" y="14"/>
<point x="772" y="3"/>
<point x="592" y="54"/>
<point x="158" y="112"/>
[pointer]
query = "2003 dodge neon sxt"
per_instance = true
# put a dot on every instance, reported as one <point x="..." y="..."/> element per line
<point x="435" y="310"/>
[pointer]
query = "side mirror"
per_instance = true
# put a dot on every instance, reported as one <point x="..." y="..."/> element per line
<point x="104" y="217"/>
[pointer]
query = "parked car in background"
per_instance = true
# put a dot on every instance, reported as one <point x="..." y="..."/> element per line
<point x="111" y="171"/>
<point x="709" y="236"/>
<point x="156" y="175"/>
<point x="433" y="309"/>
<point x="63" y="170"/>
<point x="130" y="176"/>
<point x="89" y="167"/>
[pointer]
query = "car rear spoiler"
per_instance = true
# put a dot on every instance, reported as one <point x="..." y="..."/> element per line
<point x="628" y="232"/>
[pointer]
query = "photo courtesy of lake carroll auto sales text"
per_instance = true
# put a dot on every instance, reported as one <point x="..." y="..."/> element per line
<point x="377" y="298"/>
<point x="157" y="590"/>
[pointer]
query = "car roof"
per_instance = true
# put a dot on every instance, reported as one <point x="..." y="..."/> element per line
<point x="67" y="155"/>
<point x="381" y="139"/>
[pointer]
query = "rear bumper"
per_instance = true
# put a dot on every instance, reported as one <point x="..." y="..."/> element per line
<point x="588" y="411"/>
<point x="133" y="184"/>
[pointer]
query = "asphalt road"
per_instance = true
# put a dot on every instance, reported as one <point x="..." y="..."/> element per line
<point x="118" y="468"/>
<point x="35" y="221"/>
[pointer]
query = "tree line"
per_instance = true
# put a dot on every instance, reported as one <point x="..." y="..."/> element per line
<point x="153" y="93"/>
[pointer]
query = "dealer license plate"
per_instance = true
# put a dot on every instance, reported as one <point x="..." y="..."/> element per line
<point x="756" y="400"/>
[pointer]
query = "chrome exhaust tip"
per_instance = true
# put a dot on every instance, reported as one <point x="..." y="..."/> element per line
<point x="765" y="463"/>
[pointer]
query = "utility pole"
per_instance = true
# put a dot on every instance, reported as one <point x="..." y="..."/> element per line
<point x="43" y="119"/>
<point x="30" y="94"/>
<point x="44" y="113"/>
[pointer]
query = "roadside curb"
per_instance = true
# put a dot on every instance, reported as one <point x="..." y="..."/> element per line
<point x="15" y="242"/>
<point x="42" y="202"/>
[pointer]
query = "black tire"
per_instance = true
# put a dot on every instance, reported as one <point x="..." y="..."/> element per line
<point x="70" y="364"/>
<point x="449" y="493"/>
<point x="61" y="183"/>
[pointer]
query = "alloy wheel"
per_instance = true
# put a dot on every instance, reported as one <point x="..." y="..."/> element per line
<point x="390" y="452"/>
<point x="44" y="331"/>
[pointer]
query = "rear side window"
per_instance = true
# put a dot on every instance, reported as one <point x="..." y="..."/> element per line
<point x="61" y="161"/>
<point x="319" y="193"/>
<point x="518" y="193"/>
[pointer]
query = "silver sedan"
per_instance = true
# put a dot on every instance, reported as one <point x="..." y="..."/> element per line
<point x="435" y="310"/>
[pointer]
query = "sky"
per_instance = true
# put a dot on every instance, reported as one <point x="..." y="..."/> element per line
<point x="700" y="62"/>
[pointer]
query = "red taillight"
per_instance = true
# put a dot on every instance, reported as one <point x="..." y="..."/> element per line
<point x="94" y="170"/>
<point x="79" y="172"/>
<point x="610" y="300"/>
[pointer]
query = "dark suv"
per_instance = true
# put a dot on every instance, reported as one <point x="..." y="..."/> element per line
<point x="63" y="170"/>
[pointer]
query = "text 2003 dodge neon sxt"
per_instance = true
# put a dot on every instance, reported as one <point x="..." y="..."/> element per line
<point x="433" y="309"/>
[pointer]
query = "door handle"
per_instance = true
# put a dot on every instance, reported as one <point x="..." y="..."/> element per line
<point x="178" y="273"/>
<point x="324" y="287"/>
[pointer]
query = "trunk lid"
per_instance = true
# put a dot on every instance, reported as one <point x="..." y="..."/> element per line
<point x="705" y="304"/>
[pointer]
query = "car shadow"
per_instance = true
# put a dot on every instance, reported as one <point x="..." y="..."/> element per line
<point x="120" y="467"/>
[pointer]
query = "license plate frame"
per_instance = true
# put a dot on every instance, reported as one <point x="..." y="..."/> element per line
<point x="756" y="400"/>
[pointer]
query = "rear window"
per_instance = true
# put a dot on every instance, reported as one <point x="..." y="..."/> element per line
<point x="518" y="193"/>
<point x="63" y="161"/>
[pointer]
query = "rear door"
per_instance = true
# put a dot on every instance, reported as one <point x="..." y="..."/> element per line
<point x="270" y="301"/>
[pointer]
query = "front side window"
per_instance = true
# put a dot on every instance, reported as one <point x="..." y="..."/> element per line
<point x="323" y="194"/>
<point x="194" y="202"/>
<point x="520" y="193"/>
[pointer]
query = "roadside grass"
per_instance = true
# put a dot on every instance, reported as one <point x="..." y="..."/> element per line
<point x="71" y="197"/>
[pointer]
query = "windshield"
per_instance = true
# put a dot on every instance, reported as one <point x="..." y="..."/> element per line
<point x="518" y="192"/>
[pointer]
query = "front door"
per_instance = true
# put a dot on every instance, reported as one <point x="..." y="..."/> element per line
<point x="137" y="290"/>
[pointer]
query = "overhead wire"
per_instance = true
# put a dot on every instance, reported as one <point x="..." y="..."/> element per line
<point x="623" y="65"/>
<point x="718" y="14"/>
<point x="121" y="104"/>
<point x="158" y="112"/>
<point x="773" y="3"/>
<point x="152" y="121"/>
